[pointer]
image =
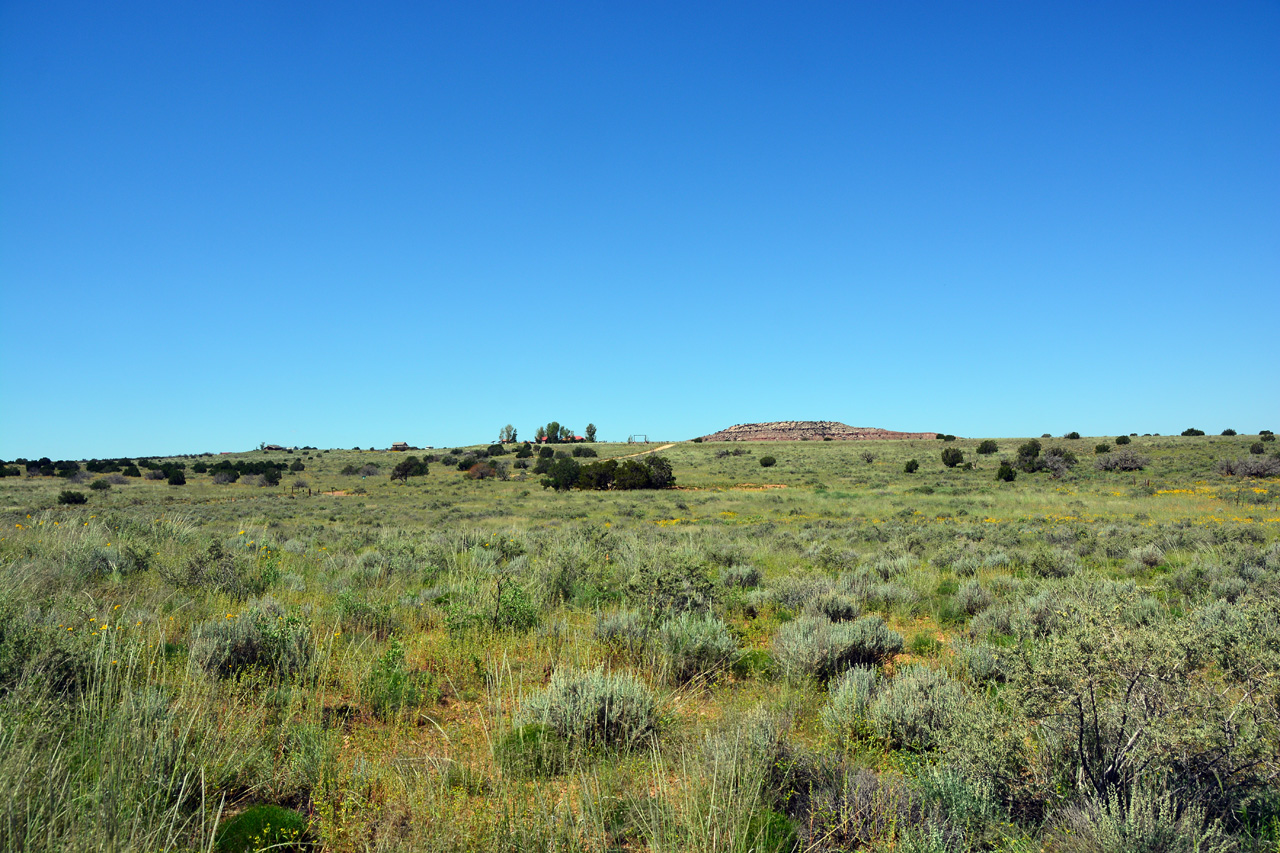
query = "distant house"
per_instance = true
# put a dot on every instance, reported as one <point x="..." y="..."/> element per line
<point x="400" y="447"/>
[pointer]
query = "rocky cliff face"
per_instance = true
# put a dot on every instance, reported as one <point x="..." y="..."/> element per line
<point x="808" y="431"/>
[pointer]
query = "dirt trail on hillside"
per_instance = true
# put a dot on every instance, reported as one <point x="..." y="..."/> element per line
<point x="643" y="452"/>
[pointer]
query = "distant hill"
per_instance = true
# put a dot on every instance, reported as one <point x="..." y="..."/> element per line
<point x="808" y="431"/>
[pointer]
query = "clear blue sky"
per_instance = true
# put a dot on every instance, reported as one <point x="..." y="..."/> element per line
<point x="352" y="224"/>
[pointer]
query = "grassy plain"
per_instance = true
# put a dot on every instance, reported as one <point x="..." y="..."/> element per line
<point x="1089" y="662"/>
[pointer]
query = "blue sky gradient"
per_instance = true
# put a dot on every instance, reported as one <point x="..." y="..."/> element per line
<point x="350" y="224"/>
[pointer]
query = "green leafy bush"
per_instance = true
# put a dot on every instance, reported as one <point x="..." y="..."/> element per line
<point x="263" y="827"/>
<point x="767" y="461"/>
<point x="952" y="456"/>
<point x="1192" y="431"/>
<point x="1122" y="440"/>
<point x="988" y="447"/>
<point x="1006" y="473"/>
<point x="1102" y="448"/>
<point x="1072" y="436"/>
<point x="1257" y="448"/>
<point x="911" y="467"/>
<point x="71" y="496"/>
<point x="390" y="687"/>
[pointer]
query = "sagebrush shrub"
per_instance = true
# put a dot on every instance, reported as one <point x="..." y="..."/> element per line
<point x="1122" y="460"/>
<point x="695" y="646"/>
<point x="263" y="636"/>
<point x="845" y="716"/>
<point x="973" y="598"/>
<point x="625" y="632"/>
<point x="593" y="709"/>
<point x="916" y="707"/>
<point x="814" y="646"/>
<point x="743" y="577"/>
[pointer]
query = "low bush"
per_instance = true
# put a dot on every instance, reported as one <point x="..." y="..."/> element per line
<point x="585" y="452"/>
<point x="911" y="467"/>
<point x="743" y="577"/>
<point x="71" y="496"/>
<point x="952" y="456"/>
<point x="1102" y="448"/>
<point x="1257" y="448"/>
<point x="390" y="686"/>
<point x="846" y="713"/>
<point x="767" y="461"/>
<point x="695" y="647"/>
<point x="987" y="447"/>
<point x="262" y="636"/>
<point x="263" y="827"/>
<point x="1006" y="473"/>
<point x="816" y="647"/>
<point x="1122" y="439"/>
<point x="1192" y="431"/>
<point x="1122" y="460"/>
<point x="915" y="708"/>
<point x="624" y="632"/>
<point x="593" y="710"/>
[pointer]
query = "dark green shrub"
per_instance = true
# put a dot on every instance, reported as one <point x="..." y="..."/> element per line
<point x="767" y="461"/>
<point x="1028" y="455"/>
<point x="588" y="452"/>
<point x="546" y="452"/>
<point x="988" y="447"/>
<point x="952" y="456"/>
<point x="410" y="466"/>
<point x="1072" y="436"/>
<point x="948" y="438"/>
<point x="295" y="467"/>
<point x="1192" y="431"/>
<point x="1006" y="473"/>
<point x="70" y="496"/>
<point x="177" y="478"/>
<point x="1266" y="435"/>
<point x="496" y="450"/>
<point x="390" y="687"/>
<point x="1228" y="431"/>
<point x="263" y="827"/>
<point x="1102" y="448"/>
<point x="201" y="468"/>
<point x="1257" y="448"/>
<point x="532" y="749"/>
<point x="911" y="467"/>
<point x="562" y="474"/>
<point x="1122" y="439"/>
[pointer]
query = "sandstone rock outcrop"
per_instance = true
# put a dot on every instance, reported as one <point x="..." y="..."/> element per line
<point x="808" y="431"/>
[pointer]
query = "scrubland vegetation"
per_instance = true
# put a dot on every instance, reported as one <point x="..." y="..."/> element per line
<point x="960" y="645"/>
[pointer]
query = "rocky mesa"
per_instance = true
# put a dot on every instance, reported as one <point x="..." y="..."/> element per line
<point x="808" y="431"/>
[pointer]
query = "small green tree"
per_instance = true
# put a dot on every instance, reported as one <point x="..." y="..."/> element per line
<point x="988" y="447"/>
<point x="911" y="467"/>
<point x="952" y="456"/>
<point x="1006" y="473"/>
<point x="69" y="496"/>
<point x="590" y="432"/>
<point x="1122" y="439"/>
<point x="507" y="434"/>
<point x="767" y="461"/>
<point x="410" y="466"/>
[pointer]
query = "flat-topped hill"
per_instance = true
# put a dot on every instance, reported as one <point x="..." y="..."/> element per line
<point x="808" y="431"/>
